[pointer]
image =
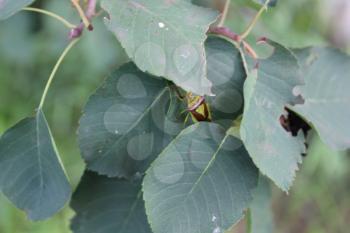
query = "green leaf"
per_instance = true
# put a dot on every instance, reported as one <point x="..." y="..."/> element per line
<point x="227" y="73"/>
<point x="266" y="92"/>
<point x="305" y="57"/>
<point x="261" y="219"/>
<point x="165" y="38"/>
<point x="10" y="7"/>
<point x="127" y="122"/>
<point x="108" y="205"/>
<point x="201" y="182"/>
<point x="326" y="94"/>
<point x="31" y="174"/>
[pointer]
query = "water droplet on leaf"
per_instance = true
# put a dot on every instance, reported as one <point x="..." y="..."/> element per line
<point x="161" y="25"/>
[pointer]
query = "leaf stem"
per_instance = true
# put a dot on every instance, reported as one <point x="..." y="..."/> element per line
<point x="91" y="9"/>
<point x="51" y="14"/>
<point x="52" y="75"/>
<point x="250" y="50"/>
<point x="81" y="12"/>
<point x="249" y="221"/>
<point x="224" y="13"/>
<point x="225" y="32"/>
<point x="89" y="13"/>
<point x="255" y="20"/>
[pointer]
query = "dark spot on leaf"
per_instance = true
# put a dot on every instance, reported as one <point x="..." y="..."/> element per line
<point x="293" y="123"/>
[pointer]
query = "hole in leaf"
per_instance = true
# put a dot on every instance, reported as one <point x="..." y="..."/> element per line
<point x="293" y="123"/>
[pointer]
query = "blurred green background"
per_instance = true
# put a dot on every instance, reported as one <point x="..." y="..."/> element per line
<point x="30" y="44"/>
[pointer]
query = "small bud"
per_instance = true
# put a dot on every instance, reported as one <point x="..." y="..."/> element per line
<point x="74" y="33"/>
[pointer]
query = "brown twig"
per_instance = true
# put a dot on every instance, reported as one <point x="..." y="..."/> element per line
<point x="81" y="12"/>
<point x="226" y="32"/>
<point x="85" y="16"/>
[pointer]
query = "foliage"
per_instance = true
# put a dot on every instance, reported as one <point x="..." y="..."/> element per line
<point x="127" y="122"/>
<point x="329" y="96"/>
<point x="116" y="206"/>
<point x="155" y="38"/>
<point x="159" y="170"/>
<point x="267" y="91"/>
<point x="204" y="178"/>
<point x="8" y="7"/>
<point x="29" y="158"/>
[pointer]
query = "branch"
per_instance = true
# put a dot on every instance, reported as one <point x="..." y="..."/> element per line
<point x="91" y="9"/>
<point x="226" y="32"/>
<point x="255" y="20"/>
<point x="51" y="14"/>
<point x="224" y="13"/>
<point x="52" y="75"/>
<point x="83" y="17"/>
<point x="89" y="13"/>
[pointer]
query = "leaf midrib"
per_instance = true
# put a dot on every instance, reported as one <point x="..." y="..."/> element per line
<point x="38" y="144"/>
<point x="132" y="209"/>
<point x="212" y="160"/>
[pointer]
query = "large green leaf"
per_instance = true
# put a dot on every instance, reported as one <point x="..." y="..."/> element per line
<point x="10" y="7"/>
<point x="31" y="173"/>
<point x="201" y="182"/>
<point x="326" y="94"/>
<point x="127" y="122"/>
<point x="165" y="38"/>
<point x="227" y="73"/>
<point x="108" y="205"/>
<point x="261" y="219"/>
<point x="266" y="92"/>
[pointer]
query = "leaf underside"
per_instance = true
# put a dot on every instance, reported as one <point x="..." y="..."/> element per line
<point x="31" y="174"/>
<point x="201" y="182"/>
<point x="164" y="38"/>
<point x="227" y="73"/>
<point x="108" y="205"/>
